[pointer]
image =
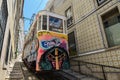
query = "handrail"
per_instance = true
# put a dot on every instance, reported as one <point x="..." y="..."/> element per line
<point x="100" y="65"/>
<point x="97" y="64"/>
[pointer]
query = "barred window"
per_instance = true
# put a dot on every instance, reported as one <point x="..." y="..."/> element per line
<point x="100" y="1"/>
<point x="69" y="15"/>
<point x="72" y="43"/>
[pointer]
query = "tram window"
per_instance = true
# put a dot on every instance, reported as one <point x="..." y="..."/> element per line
<point x="55" y="24"/>
<point x="39" y="27"/>
<point x="44" y="25"/>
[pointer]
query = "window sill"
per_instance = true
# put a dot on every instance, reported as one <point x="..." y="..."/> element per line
<point x="70" y="26"/>
<point x="112" y="48"/>
<point x="101" y="5"/>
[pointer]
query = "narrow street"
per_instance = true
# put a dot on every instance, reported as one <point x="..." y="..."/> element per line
<point x="60" y="39"/>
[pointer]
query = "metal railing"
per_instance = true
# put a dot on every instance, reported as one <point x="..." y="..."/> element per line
<point x="102" y="72"/>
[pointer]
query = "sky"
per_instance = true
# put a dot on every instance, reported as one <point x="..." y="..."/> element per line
<point x="32" y="7"/>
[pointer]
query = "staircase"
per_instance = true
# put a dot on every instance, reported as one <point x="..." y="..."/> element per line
<point x="14" y="72"/>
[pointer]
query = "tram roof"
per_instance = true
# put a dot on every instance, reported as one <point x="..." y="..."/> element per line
<point x="44" y="12"/>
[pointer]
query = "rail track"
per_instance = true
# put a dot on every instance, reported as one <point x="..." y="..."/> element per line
<point x="30" y="75"/>
<point x="21" y="72"/>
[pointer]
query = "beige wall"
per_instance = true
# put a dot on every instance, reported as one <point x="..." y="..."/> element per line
<point x="12" y="13"/>
<point x="89" y="30"/>
<point x="90" y="36"/>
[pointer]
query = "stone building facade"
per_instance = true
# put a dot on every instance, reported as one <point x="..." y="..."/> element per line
<point x="21" y="36"/>
<point x="95" y="27"/>
<point x="10" y="13"/>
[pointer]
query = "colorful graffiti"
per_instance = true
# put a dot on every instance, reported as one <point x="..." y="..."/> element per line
<point x="47" y="40"/>
<point x="50" y="39"/>
<point x="47" y="44"/>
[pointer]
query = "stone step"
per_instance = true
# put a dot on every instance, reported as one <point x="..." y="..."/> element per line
<point x="16" y="69"/>
<point x="14" y="72"/>
<point x="16" y="76"/>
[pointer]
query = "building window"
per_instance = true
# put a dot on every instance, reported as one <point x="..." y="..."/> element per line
<point x="3" y="22"/>
<point x="11" y="54"/>
<point x="4" y="14"/>
<point x="111" y="22"/>
<point x="72" y="43"/>
<point x="1" y="39"/>
<point x="69" y="15"/>
<point x="100" y="1"/>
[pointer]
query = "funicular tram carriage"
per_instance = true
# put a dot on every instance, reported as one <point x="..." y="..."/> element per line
<point x="46" y="46"/>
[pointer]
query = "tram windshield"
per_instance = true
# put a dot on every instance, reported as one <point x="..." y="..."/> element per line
<point x="47" y="22"/>
<point x="55" y="24"/>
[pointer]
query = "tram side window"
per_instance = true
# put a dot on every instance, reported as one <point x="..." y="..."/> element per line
<point x="39" y="25"/>
<point x="55" y="24"/>
<point x="44" y="25"/>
